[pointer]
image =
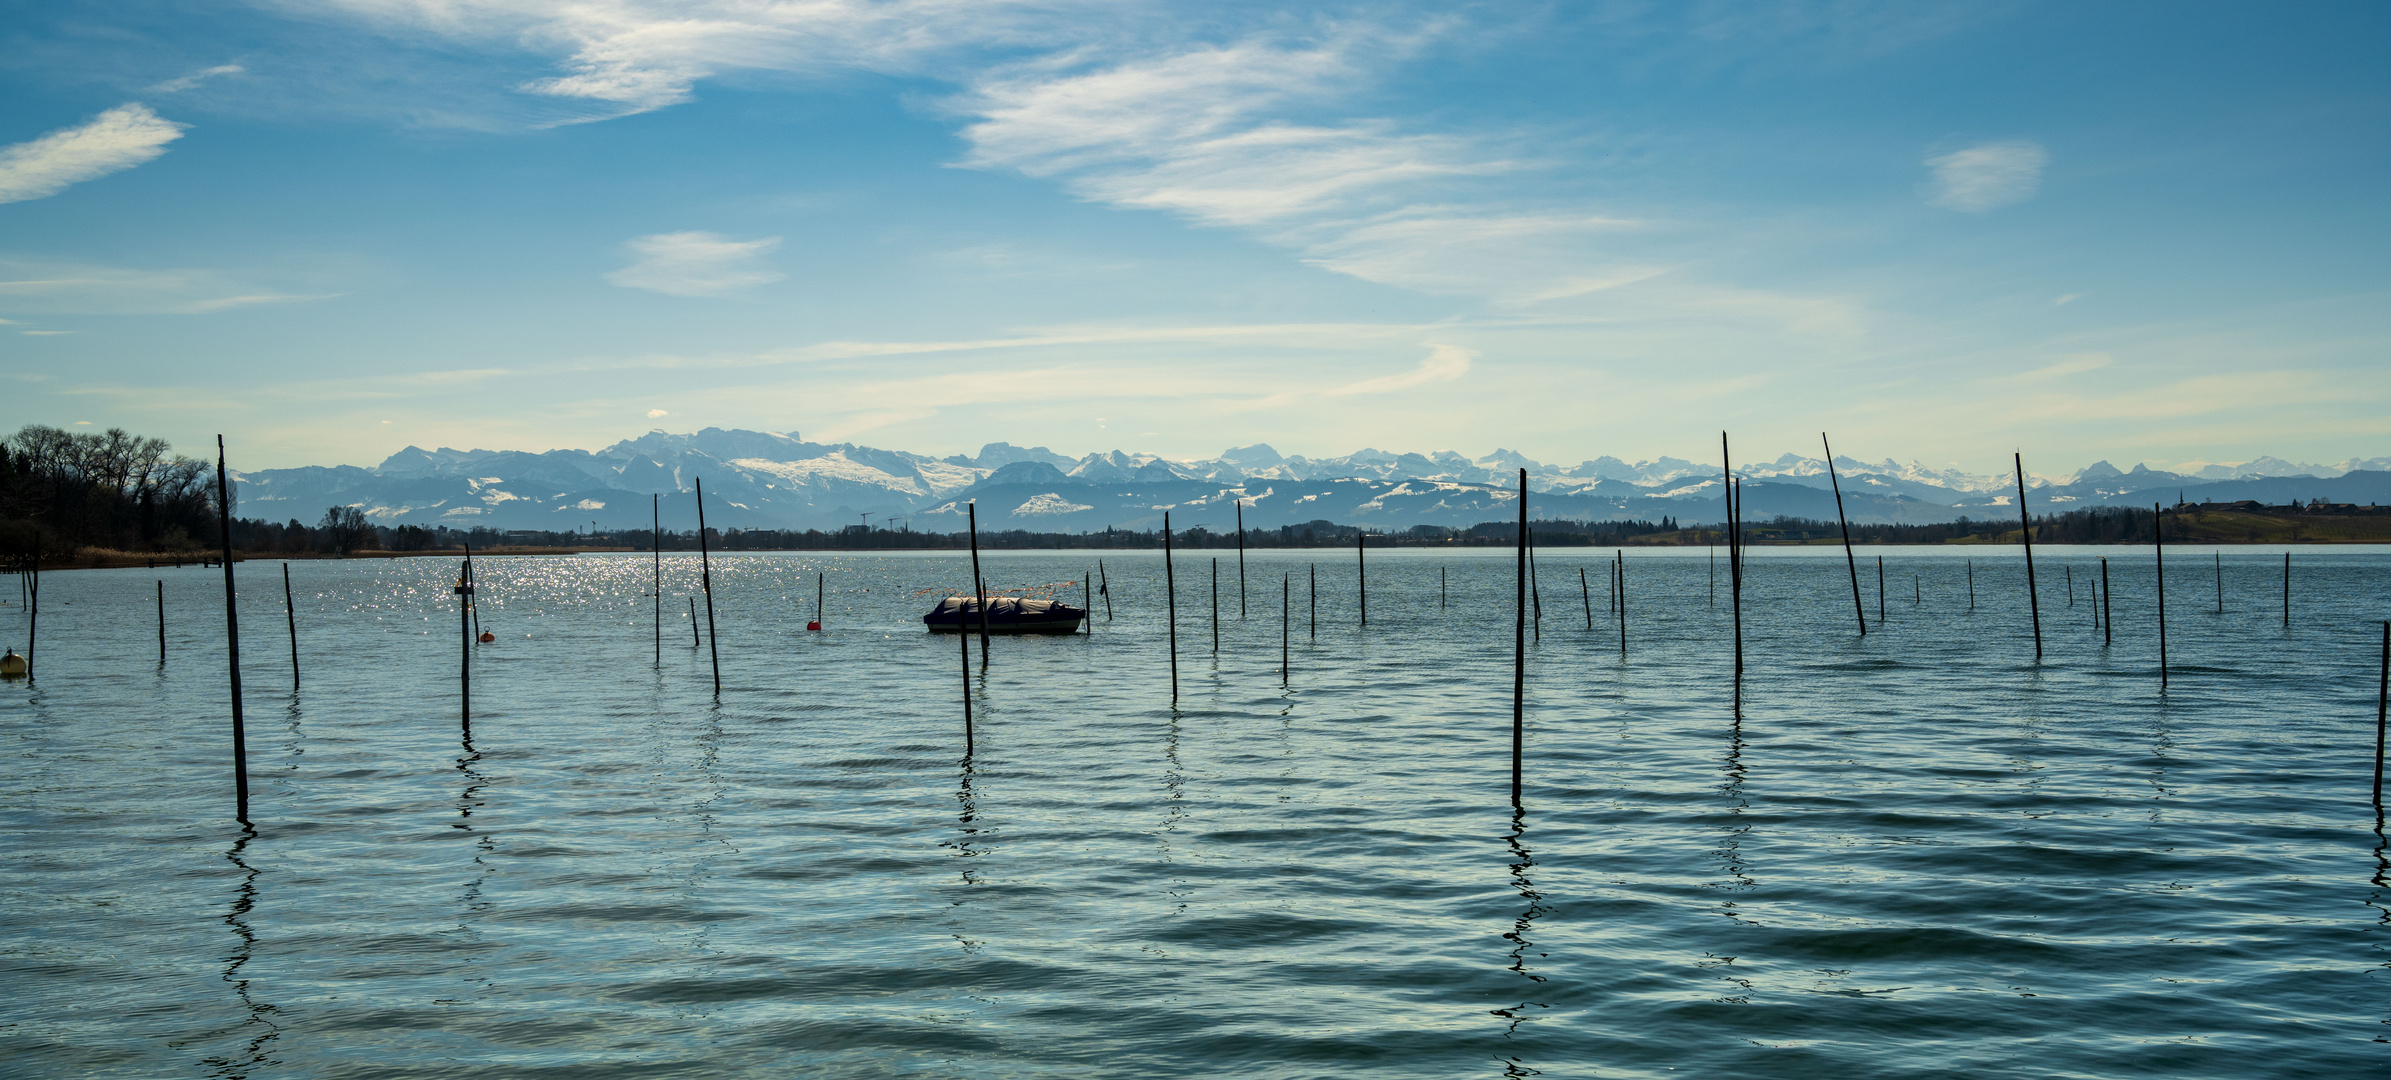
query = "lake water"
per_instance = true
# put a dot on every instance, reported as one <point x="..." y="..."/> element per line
<point x="1918" y="853"/>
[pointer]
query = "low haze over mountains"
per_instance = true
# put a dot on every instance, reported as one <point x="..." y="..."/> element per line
<point x="759" y="479"/>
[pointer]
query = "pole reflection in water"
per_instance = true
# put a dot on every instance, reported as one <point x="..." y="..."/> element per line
<point x="259" y="1023"/>
<point x="474" y="907"/>
<point x="967" y="844"/>
<point x="705" y="955"/>
<point x="2381" y="905"/>
<point x="1174" y="813"/>
<point x="1522" y="861"/>
<point x="1734" y="878"/>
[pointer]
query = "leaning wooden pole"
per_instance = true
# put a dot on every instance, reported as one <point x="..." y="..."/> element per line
<point x="1104" y="589"/>
<point x="1170" y="589"/>
<point x="1850" y="562"/>
<point x="705" y="578"/>
<point x="2382" y="714"/>
<point x="1535" y="594"/>
<point x="979" y="585"/>
<point x="2026" y="535"/>
<point x="290" y="613"/>
<point x="232" y="643"/>
<point x="1587" y="594"/>
<point x="1519" y="646"/>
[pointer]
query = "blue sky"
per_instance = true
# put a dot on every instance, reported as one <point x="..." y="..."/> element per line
<point x="331" y="229"/>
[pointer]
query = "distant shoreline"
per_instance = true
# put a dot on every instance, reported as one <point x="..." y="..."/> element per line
<point x="2189" y="528"/>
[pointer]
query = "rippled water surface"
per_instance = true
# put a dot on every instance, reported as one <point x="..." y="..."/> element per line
<point x="1915" y="853"/>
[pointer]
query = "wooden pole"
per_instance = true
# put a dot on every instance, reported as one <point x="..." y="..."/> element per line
<point x="1170" y="589"/>
<point x="1734" y="562"/>
<point x="693" y="637"/>
<point x="1361" y="570"/>
<point x="1620" y="573"/>
<point x="2382" y="713"/>
<point x="1286" y="620"/>
<point x="2071" y="583"/>
<point x="232" y="641"/>
<point x="963" y="655"/>
<point x="464" y="591"/>
<point x="1714" y="575"/>
<point x="1240" y="561"/>
<point x="2026" y="536"/>
<point x="1440" y="586"/>
<point x="1849" y="561"/>
<point x="2219" y="556"/>
<point x="290" y="613"/>
<point x="819" y="579"/>
<point x="1103" y="588"/>
<point x="1535" y="588"/>
<point x="980" y="584"/>
<point x="1216" y="606"/>
<point x="1587" y="594"/>
<point x="1315" y="619"/>
<point x="1971" y="584"/>
<point x="1087" y="596"/>
<point x="656" y="557"/>
<point x="2287" y="589"/>
<point x="473" y="601"/>
<point x="2108" y="622"/>
<point x="2158" y="555"/>
<point x="705" y="578"/>
<point x="1519" y="646"/>
<point x="161" y="620"/>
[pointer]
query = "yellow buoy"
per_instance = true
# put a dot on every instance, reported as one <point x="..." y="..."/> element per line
<point x="12" y="666"/>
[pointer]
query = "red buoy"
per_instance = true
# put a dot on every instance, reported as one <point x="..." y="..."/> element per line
<point x="813" y="626"/>
<point x="488" y="637"/>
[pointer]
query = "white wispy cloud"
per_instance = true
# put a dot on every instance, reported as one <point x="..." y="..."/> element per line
<point x="1445" y="363"/>
<point x="118" y="139"/>
<point x="642" y="55"/>
<point x="40" y="286"/>
<point x="1987" y="177"/>
<point x="191" y="81"/>
<point x="697" y="264"/>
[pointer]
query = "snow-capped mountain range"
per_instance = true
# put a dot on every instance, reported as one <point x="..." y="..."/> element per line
<point x="757" y="479"/>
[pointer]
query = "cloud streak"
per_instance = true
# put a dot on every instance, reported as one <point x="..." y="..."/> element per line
<point x="1445" y="363"/>
<point x="113" y="141"/>
<point x="1987" y="177"/>
<point x="697" y="264"/>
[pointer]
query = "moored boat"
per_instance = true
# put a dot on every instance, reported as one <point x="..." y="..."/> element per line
<point x="1006" y="615"/>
